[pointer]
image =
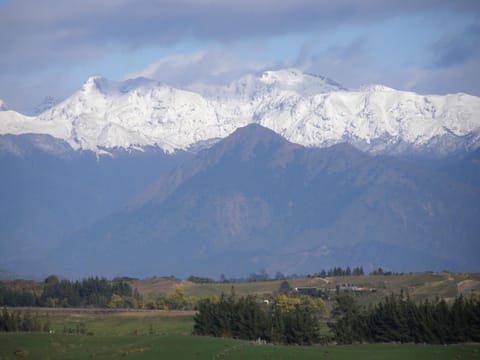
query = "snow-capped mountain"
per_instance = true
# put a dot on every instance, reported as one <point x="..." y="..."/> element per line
<point x="305" y="109"/>
<point x="269" y="83"/>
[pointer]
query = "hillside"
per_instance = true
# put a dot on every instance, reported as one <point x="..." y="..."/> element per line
<point x="255" y="201"/>
<point x="420" y="286"/>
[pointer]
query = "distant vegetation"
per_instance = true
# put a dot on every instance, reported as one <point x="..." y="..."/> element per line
<point x="96" y="292"/>
<point x="399" y="319"/>
<point x="338" y="271"/>
<point x="264" y="276"/>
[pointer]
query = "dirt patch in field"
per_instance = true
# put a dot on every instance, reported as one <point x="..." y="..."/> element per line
<point x="158" y="285"/>
<point x="143" y="313"/>
<point x="467" y="285"/>
<point x="93" y="311"/>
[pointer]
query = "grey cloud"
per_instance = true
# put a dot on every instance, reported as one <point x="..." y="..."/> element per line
<point x="458" y="48"/>
<point x="353" y="66"/>
<point x="212" y="66"/>
<point x="33" y="32"/>
<point x="342" y="63"/>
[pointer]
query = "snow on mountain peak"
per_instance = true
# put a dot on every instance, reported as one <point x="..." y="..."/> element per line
<point x="269" y="83"/>
<point x="282" y="76"/>
<point x="297" y="81"/>
<point x="293" y="77"/>
<point x="110" y="87"/>
<point x="307" y="109"/>
<point x="375" y="88"/>
<point x="136" y="83"/>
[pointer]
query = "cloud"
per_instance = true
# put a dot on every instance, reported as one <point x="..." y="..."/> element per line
<point x="34" y="33"/>
<point x="43" y="38"/>
<point x="342" y="63"/>
<point x="353" y="66"/>
<point x="213" y="66"/>
<point x="442" y="80"/>
<point x="458" y="48"/>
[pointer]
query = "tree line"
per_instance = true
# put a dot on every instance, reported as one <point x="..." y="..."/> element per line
<point x="93" y="291"/>
<point x="264" y="276"/>
<point x="285" y="320"/>
<point x="399" y="319"/>
<point x="339" y="271"/>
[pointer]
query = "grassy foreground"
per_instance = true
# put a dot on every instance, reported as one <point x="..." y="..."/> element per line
<point x="166" y="335"/>
<point x="45" y="346"/>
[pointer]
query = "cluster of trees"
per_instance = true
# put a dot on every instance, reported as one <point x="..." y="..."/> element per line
<point x="175" y="301"/>
<point x="16" y="321"/>
<point x="92" y="291"/>
<point x="200" y="279"/>
<point x="339" y="271"/>
<point x="285" y="320"/>
<point x="399" y="319"/>
<point x="95" y="292"/>
<point x="11" y="297"/>
<point x="264" y="276"/>
<point x="380" y="271"/>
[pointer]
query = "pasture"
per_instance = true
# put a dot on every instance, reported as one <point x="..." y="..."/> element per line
<point x="167" y="335"/>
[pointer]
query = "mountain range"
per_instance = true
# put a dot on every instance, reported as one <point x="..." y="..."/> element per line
<point x="305" y="109"/>
<point x="284" y="171"/>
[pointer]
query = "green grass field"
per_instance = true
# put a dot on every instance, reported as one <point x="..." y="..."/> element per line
<point x="167" y="335"/>
<point x="124" y="323"/>
<point x="45" y="346"/>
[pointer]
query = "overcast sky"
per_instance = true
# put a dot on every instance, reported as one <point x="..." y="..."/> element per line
<point x="50" y="47"/>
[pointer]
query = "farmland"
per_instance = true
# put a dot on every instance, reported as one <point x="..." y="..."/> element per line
<point x="145" y="334"/>
<point x="164" y="334"/>
<point x="420" y="286"/>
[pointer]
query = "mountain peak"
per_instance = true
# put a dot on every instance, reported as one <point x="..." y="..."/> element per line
<point x="95" y="83"/>
<point x="294" y="77"/>
<point x="111" y="87"/>
<point x="135" y="83"/>
<point x="376" y="88"/>
<point x="253" y="134"/>
<point x="254" y="140"/>
<point x="284" y="75"/>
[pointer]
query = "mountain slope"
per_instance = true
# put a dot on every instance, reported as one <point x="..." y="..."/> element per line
<point x="305" y="109"/>
<point x="256" y="201"/>
<point x="47" y="189"/>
